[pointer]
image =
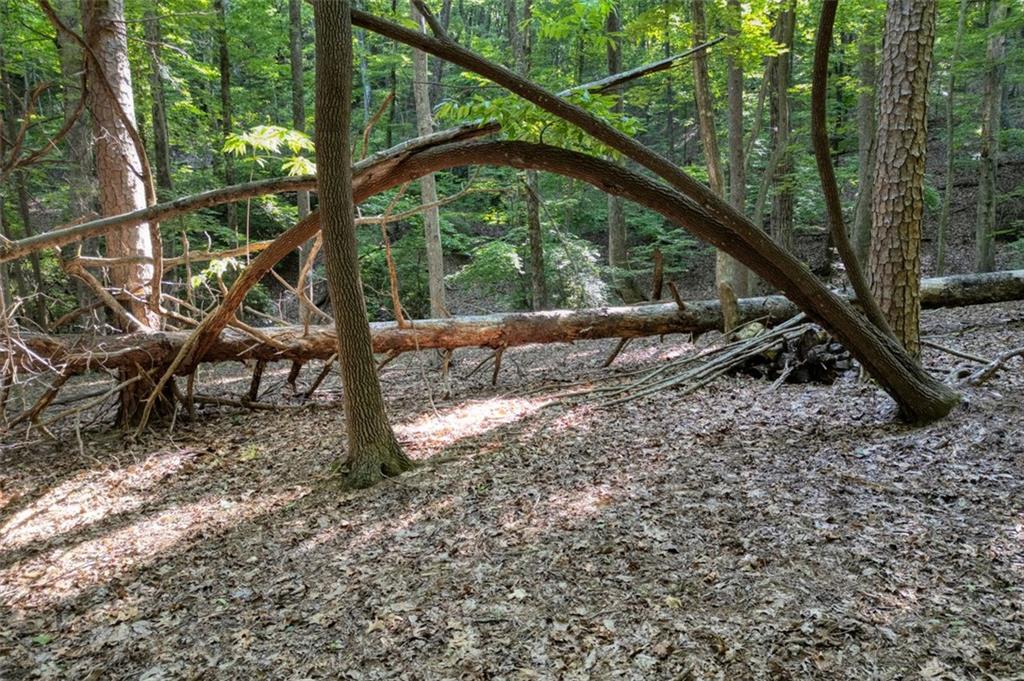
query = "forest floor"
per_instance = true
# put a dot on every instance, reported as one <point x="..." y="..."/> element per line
<point x="738" y="532"/>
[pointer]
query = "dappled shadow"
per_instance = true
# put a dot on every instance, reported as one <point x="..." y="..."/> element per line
<point x="737" y="532"/>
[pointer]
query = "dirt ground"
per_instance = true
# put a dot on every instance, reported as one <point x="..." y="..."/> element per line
<point x="738" y="532"/>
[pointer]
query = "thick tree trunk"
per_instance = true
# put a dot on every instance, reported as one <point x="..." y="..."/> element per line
<point x="428" y="186"/>
<point x="991" y="113"/>
<point x="118" y="166"/>
<point x="82" y="353"/>
<point x="161" y="138"/>
<point x="898" y="201"/>
<point x="947" y="194"/>
<point x="373" y="451"/>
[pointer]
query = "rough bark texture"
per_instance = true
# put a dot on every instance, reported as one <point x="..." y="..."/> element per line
<point x="161" y="137"/>
<point x="860" y="232"/>
<point x="618" y="256"/>
<point x="991" y="112"/>
<point x="947" y="194"/>
<point x="428" y="187"/>
<point x="118" y="166"/>
<point x="373" y="451"/>
<point x="83" y="353"/>
<point x="898" y="201"/>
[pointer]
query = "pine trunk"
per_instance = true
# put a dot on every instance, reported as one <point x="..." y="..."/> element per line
<point x="898" y="200"/>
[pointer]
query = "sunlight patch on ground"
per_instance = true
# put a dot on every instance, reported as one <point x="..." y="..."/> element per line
<point x="89" y="497"/>
<point x="567" y="508"/>
<point x="431" y="432"/>
<point x="67" y="571"/>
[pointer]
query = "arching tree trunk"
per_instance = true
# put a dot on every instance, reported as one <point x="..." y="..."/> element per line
<point x="428" y="186"/>
<point x="898" y="201"/>
<point x="373" y="451"/>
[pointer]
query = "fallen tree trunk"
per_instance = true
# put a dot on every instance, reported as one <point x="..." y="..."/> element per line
<point x="79" y="354"/>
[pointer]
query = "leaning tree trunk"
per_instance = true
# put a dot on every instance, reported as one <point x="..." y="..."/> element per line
<point x="898" y="201"/>
<point x="428" y="186"/>
<point x="991" y="111"/>
<point x="373" y="451"/>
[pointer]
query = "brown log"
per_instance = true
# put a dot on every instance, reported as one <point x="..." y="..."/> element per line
<point x="82" y="353"/>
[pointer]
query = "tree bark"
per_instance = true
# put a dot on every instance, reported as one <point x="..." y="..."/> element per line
<point x="898" y="201"/>
<point x="782" y="194"/>
<point x="947" y="194"/>
<point x="991" y="114"/>
<point x="84" y="353"/>
<point x="373" y="451"/>
<point x="298" y="84"/>
<point x="428" y="186"/>
<point x="618" y="256"/>
<point x="734" y="273"/>
<point x="161" y="137"/>
<point x="861" y="229"/>
<point x="224" y="66"/>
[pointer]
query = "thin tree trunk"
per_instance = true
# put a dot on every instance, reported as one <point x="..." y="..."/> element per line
<point x="161" y="138"/>
<point x="737" y="276"/>
<point x="861" y="228"/>
<point x="618" y="256"/>
<point x="782" y="195"/>
<point x="991" y="119"/>
<point x="298" y="84"/>
<point x="373" y="452"/>
<point x="224" y="65"/>
<point x="521" y="43"/>
<point x="428" y="185"/>
<point x="947" y="195"/>
<point x="898" y="201"/>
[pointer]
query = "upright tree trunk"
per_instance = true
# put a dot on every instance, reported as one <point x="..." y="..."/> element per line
<point x="898" y="201"/>
<point x="947" y="194"/>
<point x="298" y="89"/>
<point x="224" y="65"/>
<point x="618" y="256"/>
<point x="731" y="271"/>
<point x="428" y="186"/>
<point x="726" y="268"/>
<point x="521" y="43"/>
<point x="861" y="227"/>
<point x="119" y="171"/>
<point x="373" y="451"/>
<point x="991" y="114"/>
<point x="782" y="195"/>
<point x="161" y="140"/>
